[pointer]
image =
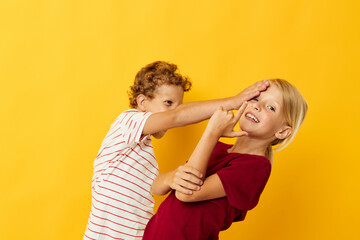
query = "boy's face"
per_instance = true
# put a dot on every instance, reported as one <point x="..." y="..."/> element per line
<point x="166" y="97"/>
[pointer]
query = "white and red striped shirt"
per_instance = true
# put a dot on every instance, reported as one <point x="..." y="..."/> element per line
<point x="124" y="171"/>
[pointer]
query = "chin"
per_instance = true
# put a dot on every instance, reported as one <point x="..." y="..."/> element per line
<point x="159" y="135"/>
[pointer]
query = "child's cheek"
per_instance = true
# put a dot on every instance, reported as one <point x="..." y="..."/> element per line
<point x="241" y="122"/>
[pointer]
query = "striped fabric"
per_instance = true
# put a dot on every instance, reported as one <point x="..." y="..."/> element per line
<point x="124" y="170"/>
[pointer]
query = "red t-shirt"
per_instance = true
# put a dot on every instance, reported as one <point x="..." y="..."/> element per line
<point x="243" y="176"/>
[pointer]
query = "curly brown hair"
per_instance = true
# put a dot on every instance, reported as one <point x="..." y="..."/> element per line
<point x="154" y="75"/>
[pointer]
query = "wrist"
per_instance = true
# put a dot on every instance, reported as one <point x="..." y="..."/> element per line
<point x="235" y="102"/>
<point x="167" y="179"/>
<point x="211" y="134"/>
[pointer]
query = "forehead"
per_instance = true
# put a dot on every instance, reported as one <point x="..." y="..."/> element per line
<point x="168" y="91"/>
<point x="273" y="93"/>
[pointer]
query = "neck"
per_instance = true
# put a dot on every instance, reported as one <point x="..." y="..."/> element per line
<point x="250" y="145"/>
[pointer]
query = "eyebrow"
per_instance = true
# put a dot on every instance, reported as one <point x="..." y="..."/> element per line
<point x="272" y="100"/>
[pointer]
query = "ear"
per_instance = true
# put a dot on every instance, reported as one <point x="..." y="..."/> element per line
<point x="141" y="102"/>
<point x="284" y="132"/>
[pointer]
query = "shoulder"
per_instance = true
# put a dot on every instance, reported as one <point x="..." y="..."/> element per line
<point x="133" y="111"/>
<point x="220" y="146"/>
<point x="131" y="120"/>
<point x="255" y="158"/>
<point x="249" y="163"/>
<point x="133" y="114"/>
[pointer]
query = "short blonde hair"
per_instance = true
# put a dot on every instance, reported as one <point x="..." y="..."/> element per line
<point x="295" y="108"/>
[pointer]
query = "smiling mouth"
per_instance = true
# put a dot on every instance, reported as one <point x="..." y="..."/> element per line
<point x="252" y="117"/>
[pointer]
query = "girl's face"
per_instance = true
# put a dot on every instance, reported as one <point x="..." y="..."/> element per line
<point x="263" y="117"/>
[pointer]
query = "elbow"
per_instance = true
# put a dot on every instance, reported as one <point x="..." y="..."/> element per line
<point x="158" y="191"/>
<point x="155" y="192"/>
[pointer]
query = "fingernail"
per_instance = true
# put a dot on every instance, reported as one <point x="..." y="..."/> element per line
<point x="198" y="188"/>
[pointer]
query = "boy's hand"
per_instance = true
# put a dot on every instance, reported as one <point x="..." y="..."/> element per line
<point x="185" y="179"/>
<point x="251" y="92"/>
<point x="222" y="123"/>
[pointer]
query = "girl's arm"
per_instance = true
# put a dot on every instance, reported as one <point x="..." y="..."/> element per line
<point x="193" y="112"/>
<point x="188" y="178"/>
<point x="211" y="189"/>
<point x="220" y="124"/>
<point x="185" y="179"/>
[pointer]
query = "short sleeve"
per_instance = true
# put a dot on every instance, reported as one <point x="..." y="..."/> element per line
<point x="130" y="125"/>
<point x="244" y="180"/>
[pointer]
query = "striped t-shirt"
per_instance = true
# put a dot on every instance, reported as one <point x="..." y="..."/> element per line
<point x="124" y="171"/>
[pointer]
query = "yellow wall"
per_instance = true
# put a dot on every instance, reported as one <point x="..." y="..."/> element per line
<point x="65" y="67"/>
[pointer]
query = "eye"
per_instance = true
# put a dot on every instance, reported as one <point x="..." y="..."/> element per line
<point x="168" y="102"/>
<point x="254" y="99"/>
<point x="271" y="108"/>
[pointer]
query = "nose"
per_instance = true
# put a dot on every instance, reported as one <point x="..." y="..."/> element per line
<point x="256" y="106"/>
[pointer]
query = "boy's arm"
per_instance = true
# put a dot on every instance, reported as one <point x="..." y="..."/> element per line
<point x="193" y="112"/>
<point x="187" y="182"/>
<point x="220" y="124"/>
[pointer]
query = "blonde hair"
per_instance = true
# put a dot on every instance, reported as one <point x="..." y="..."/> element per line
<point x="295" y="108"/>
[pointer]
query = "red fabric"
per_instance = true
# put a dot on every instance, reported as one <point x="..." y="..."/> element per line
<point x="243" y="176"/>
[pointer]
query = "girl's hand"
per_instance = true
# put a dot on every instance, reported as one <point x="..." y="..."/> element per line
<point x="222" y="123"/>
<point x="185" y="179"/>
<point x="249" y="93"/>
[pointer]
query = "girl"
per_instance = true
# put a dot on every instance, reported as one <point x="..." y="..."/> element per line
<point x="235" y="174"/>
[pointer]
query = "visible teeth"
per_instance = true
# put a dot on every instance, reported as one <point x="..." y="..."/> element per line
<point x="252" y="117"/>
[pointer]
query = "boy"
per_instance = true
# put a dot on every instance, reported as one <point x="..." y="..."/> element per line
<point x="125" y="167"/>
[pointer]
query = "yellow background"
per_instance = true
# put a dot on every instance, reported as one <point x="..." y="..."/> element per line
<point x="66" y="65"/>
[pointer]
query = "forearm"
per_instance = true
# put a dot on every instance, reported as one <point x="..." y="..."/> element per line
<point x="200" y="157"/>
<point x="184" y="178"/>
<point x="187" y="113"/>
<point x="212" y="187"/>
<point x="193" y="112"/>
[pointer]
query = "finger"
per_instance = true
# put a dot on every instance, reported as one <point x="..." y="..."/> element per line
<point x="238" y="134"/>
<point x="230" y="113"/>
<point x="183" y="190"/>
<point x="189" y="185"/>
<point x="191" y="178"/>
<point x="240" y="111"/>
<point x="252" y="94"/>
<point x="261" y="85"/>
<point x="264" y="85"/>
<point x="193" y="171"/>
